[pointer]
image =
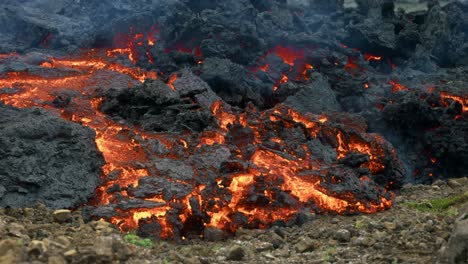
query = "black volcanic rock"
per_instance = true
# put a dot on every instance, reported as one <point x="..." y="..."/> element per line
<point x="316" y="97"/>
<point x="46" y="159"/>
<point x="231" y="82"/>
<point x="155" y="106"/>
<point x="200" y="5"/>
<point x="431" y="130"/>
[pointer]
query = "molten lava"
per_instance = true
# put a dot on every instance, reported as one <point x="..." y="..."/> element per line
<point x="288" y="54"/>
<point x="462" y="100"/>
<point x="295" y="58"/>
<point x="8" y="55"/>
<point x="171" y="81"/>
<point x="370" y="57"/>
<point x="351" y="65"/>
<point x="273" y="171"/>
<point x="397" y="87"/>
<point x="128" y="44"/>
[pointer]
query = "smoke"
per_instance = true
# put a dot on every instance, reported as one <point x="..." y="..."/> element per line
<point x="70" y="24"/>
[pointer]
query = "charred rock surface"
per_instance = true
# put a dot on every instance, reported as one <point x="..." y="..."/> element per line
<point x="46" y="159"/>
<point x="315" y="97"/>
<point x="425" y="125"/>
<point x="156" y="107"/>
<point x="232" y="83"/>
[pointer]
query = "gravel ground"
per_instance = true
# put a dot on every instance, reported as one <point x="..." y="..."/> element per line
<point x="413" y="231"/>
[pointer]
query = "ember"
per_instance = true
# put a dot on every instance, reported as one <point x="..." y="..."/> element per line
<point x="397" y="87"/>
<point x="459" y="99"/>
<point x="370" y="57"/>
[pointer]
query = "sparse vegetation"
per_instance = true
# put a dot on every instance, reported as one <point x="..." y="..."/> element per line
<point x="359" y="224"/>
<point x="138" y="241"/>
<point x="329" y="254"/>
<point x="440" y="204"/>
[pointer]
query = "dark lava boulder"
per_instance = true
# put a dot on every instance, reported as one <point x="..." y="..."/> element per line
<point x="45" y="159"/>
<point x="231" y="82"/>
<point x="434" y="134"/>
<point x="154" y="106"/>
<point x="316" y="97"/>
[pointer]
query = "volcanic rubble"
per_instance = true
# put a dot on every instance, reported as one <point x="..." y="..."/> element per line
<point x="186" y="119"/>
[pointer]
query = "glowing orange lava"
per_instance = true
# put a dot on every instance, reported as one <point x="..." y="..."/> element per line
<point x="397" y="87"/>
<point x="370" y="57"/>
<point x="288" y="54"/>
<point x="291" y="56"/>
<point x="171" y="81"/>
<point x="288" y="171"/>
<point x="351" y="65"/>
<point x="275" y="167"/>
<point x="304" y="73"/>
<point x="8" y="55"/>
<point x="462" y="100"/>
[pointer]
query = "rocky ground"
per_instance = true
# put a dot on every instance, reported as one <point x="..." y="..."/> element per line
<point x="417" y="229"/>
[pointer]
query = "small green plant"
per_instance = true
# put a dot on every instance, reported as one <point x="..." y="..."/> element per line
<point x="440" y="204"/>
<point x="359" y="224"/>
<point x="329" y="254"/>
<point x="452" y="212"/>
<point x="138" y="241"/>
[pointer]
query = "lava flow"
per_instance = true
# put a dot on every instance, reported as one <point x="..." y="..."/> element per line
<point x="461" y="100"/>
<point x="276" y="169"/>
<point x="250" y="169"/>
<point x="397" y="87"/>
<point x="291" y="56"/>
<point x="267" y="173"/>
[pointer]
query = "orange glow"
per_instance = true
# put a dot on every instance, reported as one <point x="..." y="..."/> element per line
<point x="8" y="55"/>
<point x="264" y="68"/>
<point x="128" y="44"/>
<point x="288" y="54"/>
<point x="365" y="178"/>
<point x="397" y="87"/>
<point x="356" y="144"/>
<point x="323" y="119"/>
<point x="284" y="79"/>
<point x="291" y="56"/>
<point x="462" y="100"/>
<point x="272" y="165"/>
<point x="171" y="81"/>
<point x="91" y="64"/>
<point x="281" y="168"/>
<point x="369" y="57"/>
<point x="119" y="148"/>
<point x="304" y="73"/>
<point x="224" y="117"/>
<point x="211" y="138"/>
<point x="351" y="65"/>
